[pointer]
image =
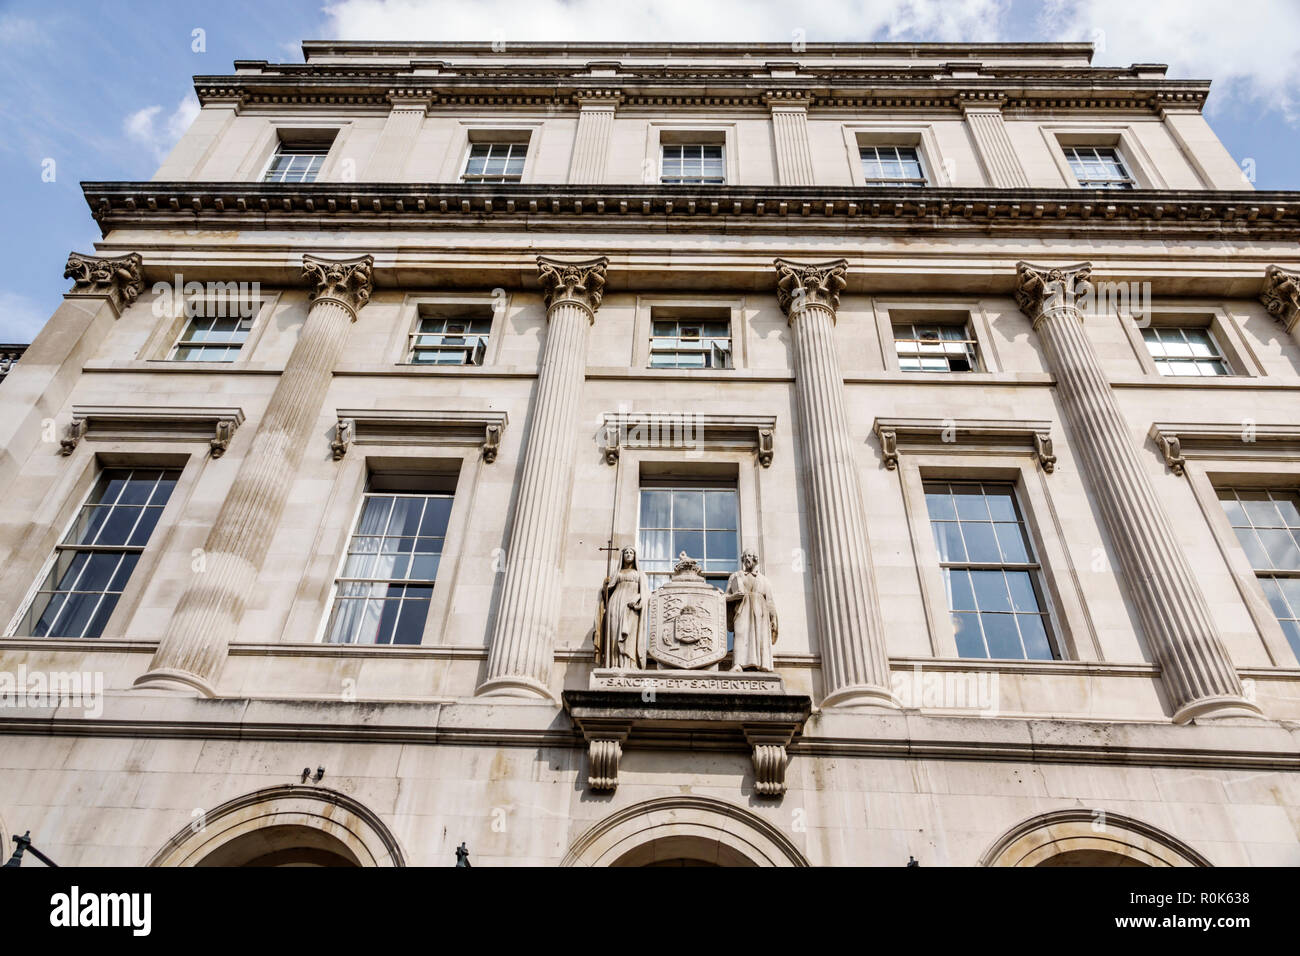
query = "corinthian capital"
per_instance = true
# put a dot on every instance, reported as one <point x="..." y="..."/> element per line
<point x="801" y="284"/>
<point x="1281" y="295"/>
<point x="1043" y="289"/>
<point x="580" y="282"/>
<point x="348" y="282"/>
<point x="119" y="279"/>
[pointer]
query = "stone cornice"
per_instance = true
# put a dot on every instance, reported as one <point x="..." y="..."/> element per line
<point x="1261" y="744"/>
<point x="119" y="279"/>
<point x="1236" y="215"/>
<point x="743" y="91"/>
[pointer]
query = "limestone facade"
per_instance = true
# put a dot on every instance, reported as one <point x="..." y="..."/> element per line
<point x="565" y="201"/>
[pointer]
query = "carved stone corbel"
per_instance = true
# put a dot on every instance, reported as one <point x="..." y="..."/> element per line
<point x="75" y="432"/>
<point x="603" y="755"/>
<point x="220" y="442"/>
<point x="345" y="430"/>
<point x="1172" y="448"/>
<point x="1281" y="295"/>
<point x="611" y="443"/>
<point x="888" y="447"/>
<point x="604" y="750"/>
<point x="765" y="447"/>
<point x="769" y="757"/>
<point x="491" y="442"/>
<point x="118" y="279"/>
<point x="1043" y="449"/>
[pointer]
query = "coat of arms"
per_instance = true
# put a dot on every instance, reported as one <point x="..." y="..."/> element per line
<point x="688" y="620"/>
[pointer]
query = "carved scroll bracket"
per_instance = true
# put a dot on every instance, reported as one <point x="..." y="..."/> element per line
<point x="963" y="435"/>
<point x="687" y="430"/>
<point x="137" y="423"/>
<point x="415" y="427"/>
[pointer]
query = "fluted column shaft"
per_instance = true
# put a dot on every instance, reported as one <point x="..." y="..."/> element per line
<point x="855" y="664"/>
<point x="1197" y="672"/>
<point x="193" y="651"/>
<point x="523" y="639"/>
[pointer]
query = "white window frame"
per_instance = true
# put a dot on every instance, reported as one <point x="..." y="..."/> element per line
<point x="661" y="132"/>
<point x="891" y="312"/>
<point x="367" y="493"/>
<point x="1119" y="136"/>
<point x="918" y="136"/>
<point x="925" y="179"/>
<point x="1224" y="329"/>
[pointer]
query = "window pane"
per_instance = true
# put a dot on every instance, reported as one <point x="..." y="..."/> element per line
<point x="990" y="590"/>
<point x="1002" y="636"/>
<point x="970" y="642"/>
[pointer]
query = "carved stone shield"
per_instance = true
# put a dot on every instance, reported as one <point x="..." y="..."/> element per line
<point x="688" y="620"/>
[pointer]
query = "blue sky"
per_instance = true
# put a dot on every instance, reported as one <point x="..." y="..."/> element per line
<point x="102" y="92"/>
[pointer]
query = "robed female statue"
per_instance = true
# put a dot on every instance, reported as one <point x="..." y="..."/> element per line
<point x="621" y="621"/>
<point x="751" y="615"/>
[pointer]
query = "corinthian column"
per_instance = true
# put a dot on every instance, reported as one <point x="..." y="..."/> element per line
<point x="193" y="651"/>
<point x="1198" y="675"/>
<point x="1281" y="296"/>
<point x="855" y="666"/>
<point x="523" y="640"/>
<point x="37" y="387"/>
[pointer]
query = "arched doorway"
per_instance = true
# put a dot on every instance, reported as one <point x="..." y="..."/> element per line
<point x="285" y="826"/>
<point x="1081" y="837"/>
<point x="684" y="830"/>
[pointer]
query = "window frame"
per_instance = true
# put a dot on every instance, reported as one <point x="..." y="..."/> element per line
<point x="504" y="179"/>
<point x="675" y="132"/>
<point x="701" y="180"/>
<point x="476" y="305"/>
<point x="687" y="484"/>
<point x="474" y="132"/>
<point x="1218" y="358"/>
<point x="973" y="315"/>
<point x="375" y="487"/>
<point x="1255" y="466"/>
<point x="704" y="308"/>
<point x="479" y="347"/>
<point x="1122" y="137"/>
<point x="863" y="180"/>
<point x="968" y="339"/>
<point x="1126" y="182"/>
<point x="706" y="353"/>
<point x="1234" y="348"/>
<point x="918" y="136"/>
<point x="58" y="514"/>
<point x="1033" y="567"/>
<point x="1069" y="614"/>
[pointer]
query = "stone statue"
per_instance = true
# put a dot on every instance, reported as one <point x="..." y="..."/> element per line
<point x="621" y="623"/>
<point x="751" y="615"/>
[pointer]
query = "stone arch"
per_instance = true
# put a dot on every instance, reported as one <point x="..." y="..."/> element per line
<point x="683" y="829"/>
<point x="1082" y="837"/>
<point x="285" y="825"/>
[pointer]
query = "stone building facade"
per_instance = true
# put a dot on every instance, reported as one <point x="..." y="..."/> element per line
<point x="988" y="356"/>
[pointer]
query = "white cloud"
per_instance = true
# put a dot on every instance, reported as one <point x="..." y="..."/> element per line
<point x="148" y="126"/>
<point x="20" y="318"/>
<point x="1250" y="48"/>
<point x="662" y="20"/>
